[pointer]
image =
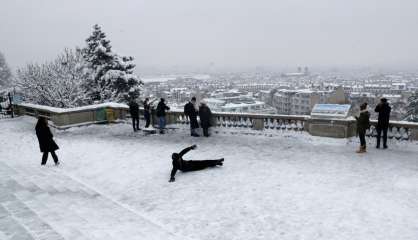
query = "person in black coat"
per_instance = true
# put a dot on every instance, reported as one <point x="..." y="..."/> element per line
<point x="383" y="109"/>
<point x="205" y="117"/>
<point x="193" y="165"/>
<point x="147" y="112"/>
<point x="46" y="141"/>
<point x="161" y="112"/>
<point x="363" y="123"/>
<point x="191" y="112"/>
<point x="134" y="111"/>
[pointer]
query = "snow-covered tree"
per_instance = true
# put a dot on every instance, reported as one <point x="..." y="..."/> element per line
<point x="5" y="73"/>
<point x="412" y="108"/>
<point x="111" y="77"/>
<point x="57" y="83"/>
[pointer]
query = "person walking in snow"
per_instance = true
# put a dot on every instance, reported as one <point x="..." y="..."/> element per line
<point x="192" y="165"/>
<point x="161" y="112"/>
<point x="205" y="117"/>
<point x="191" y="111"/>
<point x="363" y="123"/>
<point x="46" y="141"/>
<point x="147" y="112"/>
<point x="383" y="109"/>
<point x="134" y="111"/>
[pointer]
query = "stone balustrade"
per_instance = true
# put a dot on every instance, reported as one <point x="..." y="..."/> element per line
<point x="111" y="112"/>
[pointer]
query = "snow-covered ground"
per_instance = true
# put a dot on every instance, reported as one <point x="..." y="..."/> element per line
<point x="288" y="186"/>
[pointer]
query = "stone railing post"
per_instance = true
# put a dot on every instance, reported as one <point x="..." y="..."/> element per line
<point x="258" y="124"/>
<point x="336" y="128"/>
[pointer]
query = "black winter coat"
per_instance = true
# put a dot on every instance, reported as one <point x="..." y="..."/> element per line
<point x="363" y="121"/>
<point x="190" y="110"/>
<point x="161" y="108"/>
<point x="134" y="109"/>
<point x="205" y="116"/>
<point x="384" y="114"/>
<point x="45" y="138"/>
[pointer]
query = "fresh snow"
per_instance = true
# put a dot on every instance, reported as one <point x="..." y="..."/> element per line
<point x="277" y="185"/>
<point x="75" y="109"/>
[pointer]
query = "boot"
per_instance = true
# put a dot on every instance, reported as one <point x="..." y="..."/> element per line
<point x="221" y="162"/>
<point x="362" y="149"/>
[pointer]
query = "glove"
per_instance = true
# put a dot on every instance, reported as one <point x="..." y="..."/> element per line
<point x="172" y="180"/>
<point x="194" y="146"/>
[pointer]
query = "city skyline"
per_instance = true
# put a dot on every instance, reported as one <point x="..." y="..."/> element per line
<point x="192" y="35"/>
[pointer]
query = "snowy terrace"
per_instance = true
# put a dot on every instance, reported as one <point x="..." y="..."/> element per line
<point x="113" y="184"/>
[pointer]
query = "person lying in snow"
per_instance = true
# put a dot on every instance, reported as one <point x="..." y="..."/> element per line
<point x="186" y="166"/>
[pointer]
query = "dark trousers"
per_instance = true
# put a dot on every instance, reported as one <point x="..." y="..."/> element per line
<point x="199" y="165"/>
<point x="135" y="123"/>
<point x="147" y="119"/>
<point x="379" y="135"/>
<point x="193" y="125"/>
<point x="205" y="131"/>
<point x="45" y="157"/>
<point x="362" y="136"/>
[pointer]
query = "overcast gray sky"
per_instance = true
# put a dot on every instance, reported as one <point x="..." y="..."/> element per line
<point x="226" y="32"/>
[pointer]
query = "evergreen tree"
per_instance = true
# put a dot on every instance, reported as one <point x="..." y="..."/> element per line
<point x="5" y="73"/>
<point x="412" y="109"/>
<point x="111" y="77"/>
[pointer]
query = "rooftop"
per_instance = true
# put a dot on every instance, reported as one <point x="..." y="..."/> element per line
<point x="113" y="184"/>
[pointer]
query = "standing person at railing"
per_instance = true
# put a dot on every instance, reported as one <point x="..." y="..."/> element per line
<point x="193" y="165"/>
<point x="46" y="141"/>
<point x="190" y="110"/>
<point x="205" y="117"/>
<point x="147" y="112"/>
<point x="383" y="109"/>
<point x="363" y="123"/>
<point x="161" y="108"/>
<point x="134" y="111"/>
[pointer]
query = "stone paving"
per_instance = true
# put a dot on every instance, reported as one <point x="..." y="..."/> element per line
<point x="43" y="203"/>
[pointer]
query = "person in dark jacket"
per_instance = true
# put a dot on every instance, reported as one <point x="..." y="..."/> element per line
<point x="46" y="141"/>
<point x="134" y="111"/>
<point x="147" y="112"/>
<point x="383" y="109"/>
<point x="161" y="108"/>
<point x="191" y="112"/>
<point x="205" y="117"/>
<point x="186" y="166"/>
<point x="363" y="123"/>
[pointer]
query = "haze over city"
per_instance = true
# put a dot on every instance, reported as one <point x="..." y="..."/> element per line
<point x="236" y="33"/>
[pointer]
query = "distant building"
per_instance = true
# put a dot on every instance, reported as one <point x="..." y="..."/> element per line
<point x="301" y="102"/>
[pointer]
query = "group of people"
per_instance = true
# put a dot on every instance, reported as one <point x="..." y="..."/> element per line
<point x="191" y="110"/>
<point x="134" y="111"/>
<point x="363" y="124"/>
<point x="160" y="112"/>
<point x="48" y="145"/>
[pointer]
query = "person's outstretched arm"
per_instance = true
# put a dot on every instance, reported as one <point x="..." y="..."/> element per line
<point x="173" y="173"/>
<point x="186" y="150"/>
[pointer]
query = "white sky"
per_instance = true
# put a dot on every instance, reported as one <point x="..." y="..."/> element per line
<point x="226" y="32"/>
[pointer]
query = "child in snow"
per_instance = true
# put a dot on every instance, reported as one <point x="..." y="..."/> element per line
<point x="363" y="123"/>
<point x="46" y="141"/>
<point x="186" y="166"/>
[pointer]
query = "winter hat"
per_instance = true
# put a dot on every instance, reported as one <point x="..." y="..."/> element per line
<point x="363" y="106"/>
<point x="175" y="156"/>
